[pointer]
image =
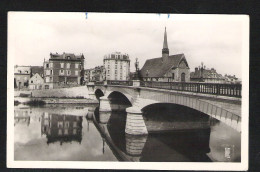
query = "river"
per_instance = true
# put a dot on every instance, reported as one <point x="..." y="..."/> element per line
<point x="80" y="132"/>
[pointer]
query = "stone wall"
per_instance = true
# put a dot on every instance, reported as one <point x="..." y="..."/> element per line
<point x="80" y="91"/>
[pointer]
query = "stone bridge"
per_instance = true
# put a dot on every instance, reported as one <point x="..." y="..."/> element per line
<point x="224" y="108"/>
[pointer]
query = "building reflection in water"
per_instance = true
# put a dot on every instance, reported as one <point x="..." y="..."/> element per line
<point x="22" y="116"/>
<point x="61" y="128"/>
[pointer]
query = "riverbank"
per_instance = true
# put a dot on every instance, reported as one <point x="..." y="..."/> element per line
<point x="54" y="100"/>
<point x="72" y="92"/>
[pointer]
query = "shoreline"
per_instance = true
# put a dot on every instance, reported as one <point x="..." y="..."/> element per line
<point x="55" y="100"/>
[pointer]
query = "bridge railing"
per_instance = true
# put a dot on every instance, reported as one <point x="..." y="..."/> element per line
<point x="99" y="82"/>
<point x="231" y="90"/>
<point x="115" y="82"/>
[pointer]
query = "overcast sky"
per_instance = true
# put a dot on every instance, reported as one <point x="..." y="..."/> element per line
<point x="217" y="42"/>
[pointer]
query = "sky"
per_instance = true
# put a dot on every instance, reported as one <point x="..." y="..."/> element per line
<point x="215" y="40"/>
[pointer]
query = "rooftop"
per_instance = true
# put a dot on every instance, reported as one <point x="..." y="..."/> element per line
<point x="117" y="55"/>
<point x="67" y="56"/>
<point x="157" y="67"/>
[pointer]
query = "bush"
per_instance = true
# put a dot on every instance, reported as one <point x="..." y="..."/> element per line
<point x="35" y="103"/>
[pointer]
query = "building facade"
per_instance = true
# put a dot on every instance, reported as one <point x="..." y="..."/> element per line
<point x="201" y="74"/>
<point x="117" y="66"/>
<point x="22" y="75"/>
<point x="168" y="68"/>
<point x="63" y="70"/>
<point x="36" y="82"/>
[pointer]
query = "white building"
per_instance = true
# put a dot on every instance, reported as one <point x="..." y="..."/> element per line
<point x="36" y="82"/>
<point x="117" y="66"/>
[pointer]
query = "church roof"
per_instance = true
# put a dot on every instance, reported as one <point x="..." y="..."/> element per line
<point x="158" y="67"/>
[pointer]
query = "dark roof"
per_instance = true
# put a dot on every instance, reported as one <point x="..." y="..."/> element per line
<point x="66" y="56"/>
<point x="37" y="69"/>
<point x="158" y="68"/>
<point x="207" y="73"/>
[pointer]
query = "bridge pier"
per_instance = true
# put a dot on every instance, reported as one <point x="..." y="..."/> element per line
<point x="135" y="122"/>
<point x="104" y="117"/>
<point x="104" y="105"/>
<point x="90" y="113"/>
<point x="135" y="145"/>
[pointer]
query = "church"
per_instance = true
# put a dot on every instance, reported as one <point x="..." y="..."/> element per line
<point x="168" y="68"/>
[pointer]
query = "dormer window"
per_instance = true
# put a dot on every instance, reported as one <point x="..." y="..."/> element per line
<point x="68" y="57"/>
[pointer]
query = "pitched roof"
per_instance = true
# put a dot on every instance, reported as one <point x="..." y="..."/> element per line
<point x="157" y="67"/>
<point x="37" y="69"/>
<point x="207" y="73"/>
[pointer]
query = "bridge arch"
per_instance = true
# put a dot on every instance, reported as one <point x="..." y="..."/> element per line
<point x="120" y="98"/>
<point x="99" y="93"/>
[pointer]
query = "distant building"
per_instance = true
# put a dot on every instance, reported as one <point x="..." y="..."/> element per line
<point x="201" y="74"/>
<point x="117" y="66"/>
<point x="168" y="68"/>
<point x="232" y="79"/>
<point x="63" y="70"/>
<point x="22" y="75"/>
<point x="36" y="82"/>
<point x="99" y="73"/>
<point x="87" y="75"/>
<point x="61" y="128"/>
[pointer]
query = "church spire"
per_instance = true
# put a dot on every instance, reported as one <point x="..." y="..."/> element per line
<point x="165" y="50"/>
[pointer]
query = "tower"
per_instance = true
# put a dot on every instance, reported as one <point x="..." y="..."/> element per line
<point x="165" y="50"/>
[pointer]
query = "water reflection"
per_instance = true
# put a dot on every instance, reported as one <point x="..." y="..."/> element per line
<point x="70" y="132"/>
<point x="61" y="128"/>
<point x="198" y="139"/>
<point x="21" y="116"/>
<point x="59" y="133"/>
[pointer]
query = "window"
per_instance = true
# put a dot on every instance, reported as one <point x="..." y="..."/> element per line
<point x="74" y="124"/>
<point x="66" y="124"/>
<point x="74" y="131"/>
<point x="31" y="82"/>
<point x="51" y="72"/>
<point x="116" y="61"/>
<point x="61" y="72"/>
<point x="60" y="132"/>
<point x="68" y="65"/>
<point x="50" y="79"/>
<point x="47" y="65"/>
<point x="76" y="66"/>
<point x="76" y="72"/>
<point x="68" y="72"/>
<point x="60" y="124"/>
<point x="62" y="65"/>
<point x="172" y="75"/>
<point x="115" y="71"/>
<point x="51" y="64"/>
<point x="25" y="78"/>
<point x="47" y="79"/>
<point x="47" y="72"/>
